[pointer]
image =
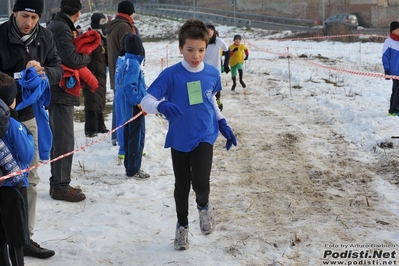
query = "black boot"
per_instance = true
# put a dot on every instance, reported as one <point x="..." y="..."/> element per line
<point x="241" y="81"/>
<point x="33" y="249"/>
<point x="234" y="83"/>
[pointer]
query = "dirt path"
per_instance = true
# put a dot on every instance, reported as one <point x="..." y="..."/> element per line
<point x="302" y="191"/>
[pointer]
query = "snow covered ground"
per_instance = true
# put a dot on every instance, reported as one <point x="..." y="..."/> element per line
<point x="312" y="181"/>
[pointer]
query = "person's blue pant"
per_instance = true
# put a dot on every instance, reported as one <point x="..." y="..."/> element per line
<point x="134" y="138"/>
<point x="113" y="126"/>
<point x="119" y="121"/>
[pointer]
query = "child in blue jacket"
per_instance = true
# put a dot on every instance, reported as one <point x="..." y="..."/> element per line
<point x="118" y="110"/>
<point x="390" y="62"/>
<point x="131" y="85"/>
<point x="16" y="152"/>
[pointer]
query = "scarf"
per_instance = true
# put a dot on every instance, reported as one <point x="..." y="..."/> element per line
<point x="394" y="37"/>
<point x="129" y="18"/>
<point x="27" y="38"/>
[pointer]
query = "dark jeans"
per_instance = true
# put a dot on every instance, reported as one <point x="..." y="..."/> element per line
<point x="394" y="103"/>
<point x="61" y="122"/>
<point x="191" y="168"/>
<point x="134" y="138"/>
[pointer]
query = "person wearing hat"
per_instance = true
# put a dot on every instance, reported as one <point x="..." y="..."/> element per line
<point x="95" y="101"/>
<point x="116" y="30"/>
<point x="25" y="43"/>
<point x="79" y="30"/>
<point x="128" y="101"/>
<point x="238" y="53"/>
<point x="212" y="55"/>
<point x="61" y="108"/>
<point x="390" y="62"/>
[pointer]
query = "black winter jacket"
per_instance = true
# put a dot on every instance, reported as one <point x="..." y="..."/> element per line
<point x="95" y="101"/>
<point x="62" y="28"/>
<point x="14" y="56"/>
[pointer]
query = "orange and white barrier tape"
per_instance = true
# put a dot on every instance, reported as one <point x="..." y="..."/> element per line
<point x="71" y="152"/>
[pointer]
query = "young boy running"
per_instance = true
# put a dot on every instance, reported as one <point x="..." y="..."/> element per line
<point x="188" y="89"/>
<point x="238" y="50"/>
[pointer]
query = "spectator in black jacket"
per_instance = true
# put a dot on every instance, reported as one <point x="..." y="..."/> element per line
<point x="95" y="102"/>
<point x="61" y="109"/>
<point x="24" y="44"/>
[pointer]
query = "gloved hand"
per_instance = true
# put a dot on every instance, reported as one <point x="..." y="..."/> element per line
<point x="227" y="133"/>
<point x="235" y="49"/>
<point x="387" y="73"/>
<point x="246" y="57"/>
<point x="226" y="68"/>
<point x="170" y="110"/>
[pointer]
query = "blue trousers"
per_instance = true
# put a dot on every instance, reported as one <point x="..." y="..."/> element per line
<point x="134" y="137"/>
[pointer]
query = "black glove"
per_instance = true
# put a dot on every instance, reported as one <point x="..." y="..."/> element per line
<point x="387" y="73"/>
<point x="226" y="67"/>
<point x="235" y="49"/>
<point x="246" y="57"/>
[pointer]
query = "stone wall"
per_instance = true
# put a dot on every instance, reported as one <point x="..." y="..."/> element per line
<point x="374" y="13"/>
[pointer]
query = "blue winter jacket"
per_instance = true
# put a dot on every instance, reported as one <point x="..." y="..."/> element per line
<point x="36" y="92"/>
<point x="131" y="81"/>
<point x="390" y="57"/>
<point x="21" y="146"/>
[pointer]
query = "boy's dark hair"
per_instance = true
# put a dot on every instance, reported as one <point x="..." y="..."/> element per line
<point x="70" y="7"/>
<point x="193" y="29"/>
<point x="8" y="88"/>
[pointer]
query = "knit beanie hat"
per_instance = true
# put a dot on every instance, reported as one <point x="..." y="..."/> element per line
<point x="133" y="44"/>
<point x="70" y="6"/>
<point x="8" y="88"/>
<point x="237" y="36"/>
<point x="98" y="21"/>
<point x="209" y="24"/>
<point x="126" y="7"/>
<point x="34" y="6"/>
<point x="394" y="25"/>
<point x="4" y="118"/>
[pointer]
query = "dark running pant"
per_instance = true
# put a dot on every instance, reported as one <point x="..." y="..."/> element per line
<point x="394" y="103"/>
<point x="13" y="225"/>
<point x="94" y="122"/>
<point x="191" y="168"/>
<point x="134" y="137"/>
<point x="13" y="253"/>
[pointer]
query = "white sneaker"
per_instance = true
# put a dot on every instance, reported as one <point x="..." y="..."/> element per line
<point x="141" y="175"/>
<point x="181" y="238"/>
<point x="207" y="220"/>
